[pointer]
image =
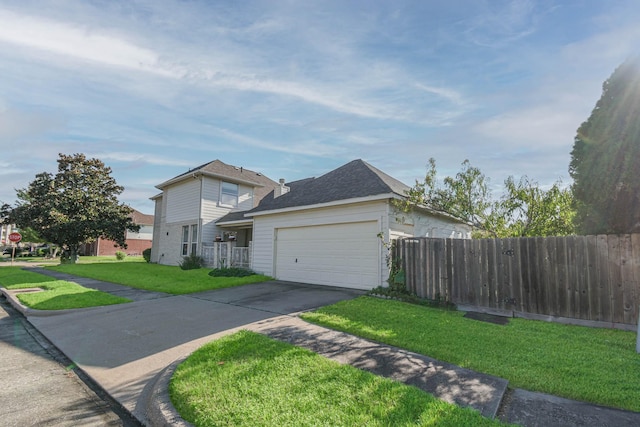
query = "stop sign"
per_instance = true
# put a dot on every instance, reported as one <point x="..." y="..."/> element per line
<point x="15" y="237"/>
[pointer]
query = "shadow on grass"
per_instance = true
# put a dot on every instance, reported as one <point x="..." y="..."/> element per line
<point x="286" y="385"/>
<point x="443" y="380"/>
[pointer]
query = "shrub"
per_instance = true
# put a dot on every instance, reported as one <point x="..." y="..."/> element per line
<point x="120" y="255"/>
<point x="231" y="272"/>
<point x="146" y="254"/>
<point x="43" y="251"/>
<point x="192" y="262"/>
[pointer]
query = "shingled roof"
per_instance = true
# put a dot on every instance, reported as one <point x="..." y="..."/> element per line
<point x="139" y="218"/>
<point x="356" y="179"/>
<point x="217" y="169"/>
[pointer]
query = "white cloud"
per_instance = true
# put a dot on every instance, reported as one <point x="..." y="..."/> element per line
<point x="77" y="41"/>
<point x="541" y="126"/>
<point x="502" y="23"/>
<point x="132" y="157"/>
<point x="15" y="125"/>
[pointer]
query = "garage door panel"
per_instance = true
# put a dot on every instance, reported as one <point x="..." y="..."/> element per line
<point x="336" y="255"/>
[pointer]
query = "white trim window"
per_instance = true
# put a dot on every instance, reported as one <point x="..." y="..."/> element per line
<point x="229" y="194"/>
<point x="189" y="239"/>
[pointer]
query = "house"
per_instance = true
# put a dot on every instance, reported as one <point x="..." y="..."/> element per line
<point x="5" y="230"/>
<point x="190" y="204"/>
<point x="136" y="242"/>
<point x="327" y="230"/>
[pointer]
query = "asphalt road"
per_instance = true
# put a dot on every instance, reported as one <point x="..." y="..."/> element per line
<point x="40" y="386"/>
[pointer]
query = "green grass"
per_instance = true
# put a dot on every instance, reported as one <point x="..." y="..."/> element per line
<point x="247" y="379"/>
<point x="155" y="277"/>
<point x="587" y="364"/>
<point x="81" y="260"/>
<point x="56" y="294"/>
<point x="108" y="259"/>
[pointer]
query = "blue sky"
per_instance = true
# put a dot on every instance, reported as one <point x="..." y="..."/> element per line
<point x="296" y="88"/>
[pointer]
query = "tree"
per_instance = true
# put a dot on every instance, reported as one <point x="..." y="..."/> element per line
<point x="531" y="211"/>
<point x="523" y="210"/>
<point x="605" y="160"/>
<point x="465" y="196"/>
<point x="77" y="205"/>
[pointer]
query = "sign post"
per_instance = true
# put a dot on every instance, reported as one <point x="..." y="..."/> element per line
<point x="14" y="237"/>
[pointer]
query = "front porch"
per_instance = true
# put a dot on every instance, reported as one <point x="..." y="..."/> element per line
<point x="226" y="254"/>
<point x="232" y="246"/>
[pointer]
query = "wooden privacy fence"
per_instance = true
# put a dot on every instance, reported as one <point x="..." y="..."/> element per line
<point x="592" y="278"/>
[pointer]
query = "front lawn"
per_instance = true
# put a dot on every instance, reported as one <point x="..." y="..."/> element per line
<point x="155" y="277"/>
<point x="247" y="379"/>
<point x="587" y="364"/>
<point x="56" y="294"/>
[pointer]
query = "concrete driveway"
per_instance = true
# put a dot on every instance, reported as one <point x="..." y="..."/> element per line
<point x="124" y="347"/>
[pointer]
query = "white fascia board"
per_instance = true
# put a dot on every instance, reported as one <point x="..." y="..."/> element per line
<point x="325" y="205"/>
<point x="240" y="222"/>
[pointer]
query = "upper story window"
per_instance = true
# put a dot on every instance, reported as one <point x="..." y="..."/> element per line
<point x="229" y="194"/>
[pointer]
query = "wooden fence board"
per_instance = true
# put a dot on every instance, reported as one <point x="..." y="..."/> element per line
<point x="603" y="278"/>
<point x="626" y="278"/>
<point x="635" y="267"/>
<point x="559" y="261"/>
<point x="615" y="278"/>
<point x="515" y="275"/>
<point x="595" y="309"/>
<point x="525" y="278"/>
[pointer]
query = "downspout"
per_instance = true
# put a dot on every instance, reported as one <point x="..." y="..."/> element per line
<point x="200" y="222"/>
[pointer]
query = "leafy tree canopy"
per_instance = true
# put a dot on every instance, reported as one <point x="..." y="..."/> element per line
<point x="78" y="204"/>
<point x="529" y="210"/>
<point x="605" y="160"/>
<point x="524" y="209"/>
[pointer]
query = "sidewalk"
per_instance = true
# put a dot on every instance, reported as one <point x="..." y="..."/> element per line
<point x="131" y="350"/>
<point x="39" y="385"/>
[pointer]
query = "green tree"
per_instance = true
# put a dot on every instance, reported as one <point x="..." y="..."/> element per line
<point x="77" y="205"/>
<point x="531" y="211"/>
<point x="605" y="160"/>
<point x="523" y="210"/>
<point x="465" y="196"/>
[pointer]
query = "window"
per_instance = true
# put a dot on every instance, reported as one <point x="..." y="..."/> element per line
<point x="194" y="239"/>
<point x="189" y="238"/>
<point x="229" y="194"/>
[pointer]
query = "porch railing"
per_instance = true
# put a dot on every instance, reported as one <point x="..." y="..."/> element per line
<point x="226" y="254"/>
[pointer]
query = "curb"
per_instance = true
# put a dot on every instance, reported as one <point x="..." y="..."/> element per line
<point x="11" y="296"/>
<point x="160" y="411"/>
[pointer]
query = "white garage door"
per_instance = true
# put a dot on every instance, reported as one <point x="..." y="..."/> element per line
<point x="346" y="255"/>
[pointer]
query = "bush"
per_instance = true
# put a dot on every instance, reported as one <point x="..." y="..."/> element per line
<point x="192" y="262"/>
<point x="146" y="254"/>
<point x="231" y="272"/>
<point x="120" y="256"/>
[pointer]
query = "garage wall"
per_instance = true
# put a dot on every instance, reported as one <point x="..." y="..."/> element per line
<point x="419" y="224"/>
<point x="266" y="226"/>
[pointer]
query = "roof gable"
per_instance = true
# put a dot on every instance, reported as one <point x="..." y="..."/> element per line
<point x="356" y="179"/>
<point x="236" y="174"/>
<point x="139" y="218"/>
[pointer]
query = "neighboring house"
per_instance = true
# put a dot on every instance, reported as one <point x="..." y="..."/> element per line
<point x="136" y="242"/>
<point x="5" y="230"/>
<point x="321" y="230"/>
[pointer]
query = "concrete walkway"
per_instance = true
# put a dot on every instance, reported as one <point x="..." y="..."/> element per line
<point x="131" y="349"/>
